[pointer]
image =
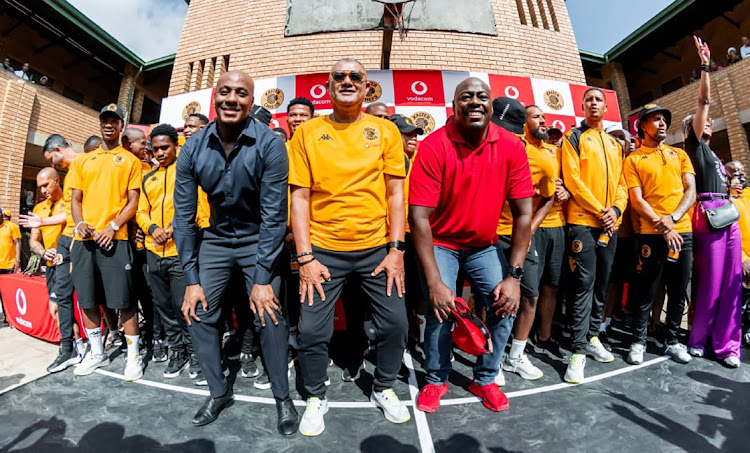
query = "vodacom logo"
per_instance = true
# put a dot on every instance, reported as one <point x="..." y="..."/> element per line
<point x="21" y="301"/>
<point x="274" y="123"/>
<point x="559" y="125"/>
<point x="419" y="88"/>
<point x="318" y="91"/>
<point x="512" y="92"/>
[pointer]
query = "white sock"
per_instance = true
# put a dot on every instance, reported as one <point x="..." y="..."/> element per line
<point x="422" y="322"/>
<point x="516" y="348"/>
<point x="95" y="340"/>
<point x="80" y="347"/>
<point x="132" y="342"/>
<point x="605" y="324"/>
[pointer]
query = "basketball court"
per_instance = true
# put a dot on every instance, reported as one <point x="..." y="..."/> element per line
<point x="659" y="406"/>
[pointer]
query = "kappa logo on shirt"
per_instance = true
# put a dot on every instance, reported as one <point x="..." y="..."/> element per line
<point x="325" y="137"/>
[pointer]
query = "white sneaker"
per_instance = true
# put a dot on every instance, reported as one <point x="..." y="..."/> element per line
<point x="133" y="368"/>
<point x="635" y="356"/>
<point x="500" y="378"/>
<point x="312" y="423"/>
<point x="732" y="361"/>
<point x="393" y="409"/>
<point x="596" y="349"/>
<point x="576" y="365"/>
<point x="90" y="363"/>
<point x="523" y="367"/>
<point x="696" y="352"/>
<point x="678" y="352"/>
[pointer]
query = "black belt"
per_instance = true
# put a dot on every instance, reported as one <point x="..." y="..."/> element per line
<point x="713" y="197"/>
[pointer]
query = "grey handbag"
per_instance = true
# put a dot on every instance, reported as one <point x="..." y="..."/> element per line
<point x="723" y="216"/>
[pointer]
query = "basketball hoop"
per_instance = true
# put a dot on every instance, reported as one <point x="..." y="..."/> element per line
<point x="393" y="16"/>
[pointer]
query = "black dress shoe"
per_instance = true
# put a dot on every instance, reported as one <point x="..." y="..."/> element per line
<point x="288" y="417"/>
<point x="212" y="408"/>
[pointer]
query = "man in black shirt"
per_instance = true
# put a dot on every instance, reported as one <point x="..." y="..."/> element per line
<point x="717" y="251"/>
<point x="243" y="168"/>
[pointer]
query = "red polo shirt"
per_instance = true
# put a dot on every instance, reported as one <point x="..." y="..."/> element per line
<point x="468" y="187"/>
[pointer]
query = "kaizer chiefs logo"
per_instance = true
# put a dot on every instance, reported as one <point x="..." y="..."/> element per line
<point x="645" y="251"/>
<point x="577" y="246"/>
<point x="370" y="134"/>
<point x="272" y="99"/>
<point x="190" y="108"/>
<point x="118" y="158"/>
<point x="424" y="121"/>
<point x="554" y="100"/>
<point x="374" y="93"/>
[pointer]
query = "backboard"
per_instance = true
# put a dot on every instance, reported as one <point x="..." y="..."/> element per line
<point x="317" y="16"/>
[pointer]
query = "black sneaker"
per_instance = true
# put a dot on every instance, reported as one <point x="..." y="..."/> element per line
<point x="549" y="346"/>
<point x="263" y="382"/>
<point x="160" y="352"/>
<point x="233" y="347"/>
<point x="195" y="368"/>
<point x="177" y="363"/>
<point x="249" y="368"/>
<point x="64" y="360"/>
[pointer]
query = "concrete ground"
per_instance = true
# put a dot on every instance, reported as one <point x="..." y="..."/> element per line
<point x="22" y="358"/>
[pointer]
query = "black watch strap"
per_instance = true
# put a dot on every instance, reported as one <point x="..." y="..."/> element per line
<point x="516" y="272"/>
<point x="398" y="245"/>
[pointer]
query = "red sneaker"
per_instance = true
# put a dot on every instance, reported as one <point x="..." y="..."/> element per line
<point x="492" y="397"/>
<point x="428" y="399"/>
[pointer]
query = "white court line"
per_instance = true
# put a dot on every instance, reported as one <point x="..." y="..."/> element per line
<point x="365" y="405"/>
<point x="423" y="428"/>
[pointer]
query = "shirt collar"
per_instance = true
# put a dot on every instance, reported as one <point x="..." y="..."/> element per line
<point x="248" y="131"/>
<point x="493" y="134"/>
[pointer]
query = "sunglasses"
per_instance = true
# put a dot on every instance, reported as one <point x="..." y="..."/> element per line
<point x="354" y="76"/>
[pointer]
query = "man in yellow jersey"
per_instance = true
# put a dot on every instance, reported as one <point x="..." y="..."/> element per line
<point x="60" y="154"/>
<point x="531" y="123"/>
<point x="243" y="167"/>
<point x="43" y="242"/>
<point x="741" y="198"/>
<point x="10" y="249"/>
<point x="165" y="276"/>
<point x="661" y="183"/>
<point x="347" y="180"/>
<point x="105" y="188"/>
<point x="298" y="111"/>
<point x="592" y="171"/>
<point x="135" y="140"/>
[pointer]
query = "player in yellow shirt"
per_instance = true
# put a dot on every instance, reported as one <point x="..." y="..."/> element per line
<point x="530" y="125"/>
<point x="346" y="174"/>
<point x="60" y="154"/>
<point x="661" y="182"/>
<point x="104" y="198"/>
<point x="10" y="245"/>
<point x="592" y="171"/>
<point x="43" y="240"/>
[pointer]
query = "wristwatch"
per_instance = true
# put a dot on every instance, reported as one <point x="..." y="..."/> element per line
<point x="114" y="226"/>
<point x="516" y="272"/>
<point x="675" y="219"/>
<point x="398" y="245"/>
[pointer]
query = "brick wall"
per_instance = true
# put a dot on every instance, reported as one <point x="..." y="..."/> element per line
<point x="255" y="43"/>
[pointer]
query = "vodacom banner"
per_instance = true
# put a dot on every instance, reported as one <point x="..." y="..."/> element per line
<point x="425" y="96"/>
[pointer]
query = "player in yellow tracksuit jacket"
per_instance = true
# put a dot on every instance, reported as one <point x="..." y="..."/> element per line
<point x="592" y="171"/>
<point x="165" y="276"/>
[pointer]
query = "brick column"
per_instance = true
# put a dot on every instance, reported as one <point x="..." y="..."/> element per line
<point x="15" y="115"/>
<point x="208" y="73"/>
<point x="613" y="71"/>
<point x="128" y="82"/>
<point x="137" y="106"/>
<point x="725" y="92"/>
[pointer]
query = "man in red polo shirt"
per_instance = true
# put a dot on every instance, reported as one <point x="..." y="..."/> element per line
<point x="463" y="174"/>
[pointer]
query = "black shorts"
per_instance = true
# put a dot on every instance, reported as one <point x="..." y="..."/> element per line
<point x="103" y="277"/>
<point x="530" y="279"/>
<point x="550" y="245"/>
<point x="62" y="284"/>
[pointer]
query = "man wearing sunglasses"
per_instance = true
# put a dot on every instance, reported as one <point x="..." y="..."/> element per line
<point x="661" y="184"/>
<point x="347" y="179"/>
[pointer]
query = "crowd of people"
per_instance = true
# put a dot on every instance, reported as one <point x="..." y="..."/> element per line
<point x="25" y="73"/>
<point x="229" y="230"/>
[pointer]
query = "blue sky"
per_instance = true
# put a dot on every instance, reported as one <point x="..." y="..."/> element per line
<point x="600" y="24"/>
<point x="151" y="28"/>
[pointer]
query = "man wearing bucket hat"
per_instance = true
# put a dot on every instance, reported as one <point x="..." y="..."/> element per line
<point x="661" y="185"/>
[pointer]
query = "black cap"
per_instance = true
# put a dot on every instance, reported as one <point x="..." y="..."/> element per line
<point x="111" y="110"/>
<point x="556" y="129"/>
<point x="509" y="114"/>
<point x="261" y="114"/>
<point x="405" y="124"/>
<point x="649" y="109"/>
